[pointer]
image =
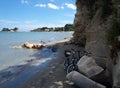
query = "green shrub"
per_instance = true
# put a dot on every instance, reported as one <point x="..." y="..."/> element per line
<point x="114" y="32"/>
<point x="117" y="2"/>
<point x="106" y="8"/>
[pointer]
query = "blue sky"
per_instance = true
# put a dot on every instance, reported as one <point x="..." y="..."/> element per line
<point x="30" y="14"/>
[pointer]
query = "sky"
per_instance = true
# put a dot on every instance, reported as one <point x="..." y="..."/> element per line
<point x="31" y="14"/>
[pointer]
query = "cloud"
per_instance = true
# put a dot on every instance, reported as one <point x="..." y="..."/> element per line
<point x="40" y="5"/>
<point x="71" y="6"/>
<point x="24" y="1"/>
<point x="52" y="6"/>
<point x="8" y="22"/>
<point x="62" y="7"/>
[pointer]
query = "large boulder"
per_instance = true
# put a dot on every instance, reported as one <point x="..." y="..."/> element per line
<point x="34" y="46"/>
<point x="28" y="45"/>
<point x="82" y="81"/>
<point x="88" y="66"/>
<point x="37" y="46"/>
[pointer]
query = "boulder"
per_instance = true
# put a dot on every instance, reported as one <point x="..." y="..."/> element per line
<point x="34" y="46"/>
<point x="82" y="81"/>
<point x="88" y="66"/>
<point x="37" y="46"/>
<point x="28" y="45"/>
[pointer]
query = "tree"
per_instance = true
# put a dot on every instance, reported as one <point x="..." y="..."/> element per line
<point x="68" y="27"/>
<point x="15" y="29"/>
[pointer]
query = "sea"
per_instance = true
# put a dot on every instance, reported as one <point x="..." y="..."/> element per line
<point x="18" y="65"/>
<point x="10" y="56"/>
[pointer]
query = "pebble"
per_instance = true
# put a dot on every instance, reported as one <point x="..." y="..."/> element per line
<point x="51" y="72"/>
<point x="53" y="67"/>
<point x="59" y="83"/>
<point x="69" y="82"/>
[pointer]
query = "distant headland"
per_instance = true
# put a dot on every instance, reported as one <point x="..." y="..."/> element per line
<point x="67" y="27"/>
<point x="10" y="30"/>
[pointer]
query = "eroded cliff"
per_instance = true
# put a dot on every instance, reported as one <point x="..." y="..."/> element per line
<point x="93" y="20"/>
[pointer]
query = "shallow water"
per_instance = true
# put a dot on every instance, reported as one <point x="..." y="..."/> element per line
<point x="18" y="65"/>
<point x="10" y="57"/>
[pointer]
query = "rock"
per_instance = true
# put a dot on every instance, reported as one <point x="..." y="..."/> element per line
<point x="82" y="81"/>
<point x="51" y="72"/>
<point x="69" y="82"/>
<point x="88" y="66"/>
<point x="34" y="46"/>
<point x="37" y="46"/>
<point x="28" y="45"/>
<point x="79" y="24"/>
<point x="59" y="83"/>
<point x="91" y="27"/>
<point x="53" y="67"/>
<point x="116" y="73"/>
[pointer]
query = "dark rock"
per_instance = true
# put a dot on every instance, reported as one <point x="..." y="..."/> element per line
<point x="82" y="81"/>
<point x="88" y="67"/>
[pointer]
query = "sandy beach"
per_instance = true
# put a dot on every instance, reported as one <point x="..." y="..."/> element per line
<point x="54" y="75"/>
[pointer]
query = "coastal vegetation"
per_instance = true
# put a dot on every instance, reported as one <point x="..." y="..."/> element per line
<point x="10" y="30"/>
<point x="67" y="27"/>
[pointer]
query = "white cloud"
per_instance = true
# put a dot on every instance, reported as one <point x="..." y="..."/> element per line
<point x="8" y="22"/>
<point x="52" y="6"/>
<point x="40" y="5"/>
<point x="71" y="6"/>
<point x="62" y="7"/>
<point x="24" y="1"/>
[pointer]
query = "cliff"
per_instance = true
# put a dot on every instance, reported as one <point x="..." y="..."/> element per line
<point x="93" y="20"/>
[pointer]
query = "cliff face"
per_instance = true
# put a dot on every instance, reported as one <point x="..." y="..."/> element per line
<point x="92" y="21"/>
<point x="90" y="28"/>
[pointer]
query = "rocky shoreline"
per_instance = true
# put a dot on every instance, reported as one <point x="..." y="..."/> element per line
<point x="14" y="76"/>
<point x="54" y="75"/>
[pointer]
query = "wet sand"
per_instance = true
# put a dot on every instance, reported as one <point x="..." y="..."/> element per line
<point x="54" y="75"/>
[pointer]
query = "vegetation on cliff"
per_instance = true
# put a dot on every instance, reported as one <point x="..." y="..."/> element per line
<point x="114" y="31"/>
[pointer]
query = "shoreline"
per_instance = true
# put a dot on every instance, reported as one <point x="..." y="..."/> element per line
<point x="53" y="76"/>
<point x="15" y="72"/>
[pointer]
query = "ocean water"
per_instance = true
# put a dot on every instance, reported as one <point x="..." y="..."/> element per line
<point x="10" y="56"/>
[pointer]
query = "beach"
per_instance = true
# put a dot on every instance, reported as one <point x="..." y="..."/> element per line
<point x="54" y="75"/>
<point x="33" y="60"/>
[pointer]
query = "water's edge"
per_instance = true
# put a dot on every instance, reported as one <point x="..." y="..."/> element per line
<point x="15" y="76"/>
